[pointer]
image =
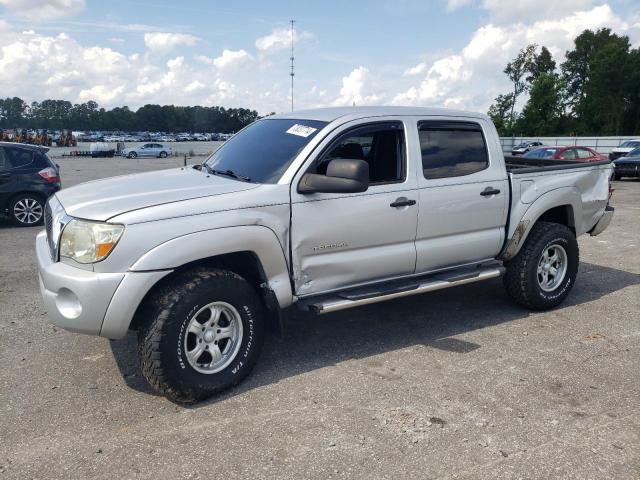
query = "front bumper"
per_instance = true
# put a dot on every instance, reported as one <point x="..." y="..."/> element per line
<point x="90" y="302"/>
<point x="604" y="221"/>
<point x="628" y="169"/>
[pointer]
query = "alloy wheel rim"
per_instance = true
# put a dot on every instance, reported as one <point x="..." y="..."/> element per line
<point x="552" y="267"/>
<point x="213" y="337"/>
<point x="28" y="211"/>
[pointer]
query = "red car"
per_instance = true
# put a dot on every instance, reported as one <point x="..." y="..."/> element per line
<point x="580" y="154"/>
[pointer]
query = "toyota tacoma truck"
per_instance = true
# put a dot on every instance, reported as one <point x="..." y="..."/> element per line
<point x="323" y="210"/>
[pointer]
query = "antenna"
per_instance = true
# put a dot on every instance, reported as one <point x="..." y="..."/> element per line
<point x="292" y="57"/>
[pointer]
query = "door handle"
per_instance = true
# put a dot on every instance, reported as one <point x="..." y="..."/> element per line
<point x="400" y="202"/>
<point x="489" y="191"/>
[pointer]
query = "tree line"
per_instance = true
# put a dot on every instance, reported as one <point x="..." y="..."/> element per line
<point x="595" y="91"/>
<point x="62" y="114"/>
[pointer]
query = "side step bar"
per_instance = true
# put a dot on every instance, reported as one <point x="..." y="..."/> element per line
<point x="390" y="290"/>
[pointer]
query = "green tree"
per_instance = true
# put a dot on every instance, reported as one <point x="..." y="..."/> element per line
<point x="516" y="71"/>
<point x="543" y="111"/>
<point x="500" y="113"/>
<point x="543" y="63"/>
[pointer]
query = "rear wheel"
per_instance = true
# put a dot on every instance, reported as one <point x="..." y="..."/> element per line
<point x="203" y="334"/>
<point x="617" y="176"/>
<point x="542" y="274"/>
<point x="26" y="210"/>
<point x="163" y="154"/>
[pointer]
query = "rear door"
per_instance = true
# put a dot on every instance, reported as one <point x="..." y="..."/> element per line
<point x="340" y="240"/>
<point x="463" y="193"/>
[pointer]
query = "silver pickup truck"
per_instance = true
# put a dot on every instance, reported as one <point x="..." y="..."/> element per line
<point x="326" y="210"/>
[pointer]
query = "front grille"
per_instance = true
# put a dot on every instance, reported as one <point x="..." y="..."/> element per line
<point x="55" y="219"/>
<point x="48" y="224"/>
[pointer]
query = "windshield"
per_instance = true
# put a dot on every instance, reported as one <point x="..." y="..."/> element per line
<point x="634" y="153"/>
<point x="629" y="144"/>
<point x="262" y="152"/>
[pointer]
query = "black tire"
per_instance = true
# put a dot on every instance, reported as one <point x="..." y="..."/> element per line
<point x="132" y="155"/>
<point x="163" y="154"/>
<point x="24" y="208"/>
<point x="521" y="279"/>
<point x="168" y="313"/>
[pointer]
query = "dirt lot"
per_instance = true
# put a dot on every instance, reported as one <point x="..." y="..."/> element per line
<point x="456" y="384"/>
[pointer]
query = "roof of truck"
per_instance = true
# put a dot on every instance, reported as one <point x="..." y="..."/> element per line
<point x="332" y="113"/>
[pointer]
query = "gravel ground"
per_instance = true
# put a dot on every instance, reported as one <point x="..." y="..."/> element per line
<point x="455" y="384"/>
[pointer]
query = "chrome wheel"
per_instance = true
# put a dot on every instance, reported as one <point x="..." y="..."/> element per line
<point x="213" y="337"/>
<point x="552" y="267"/>
<point x="27" y="211"/>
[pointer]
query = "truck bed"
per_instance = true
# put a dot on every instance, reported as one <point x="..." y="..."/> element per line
<point x="518" y="165"/>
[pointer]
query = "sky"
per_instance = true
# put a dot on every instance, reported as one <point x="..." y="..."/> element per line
<point x="447" y="53"/>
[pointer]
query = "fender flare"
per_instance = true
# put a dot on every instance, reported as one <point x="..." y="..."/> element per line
<point x="259" y="240"/>
<point x="565" y="196"/>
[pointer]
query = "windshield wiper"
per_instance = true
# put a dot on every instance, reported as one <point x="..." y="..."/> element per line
<point x="228" y="173"/>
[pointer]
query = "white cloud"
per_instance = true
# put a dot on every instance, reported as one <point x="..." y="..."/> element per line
<point x="280" y="39"/>
<point x="356" y="88"/>
<point x="417" y="70"/>
<point x="163" y="42"/>
<point x="232" y="59"/>
<point x="40" y="10"/>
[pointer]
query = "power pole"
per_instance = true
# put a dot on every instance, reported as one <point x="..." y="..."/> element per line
<point x="292" y="72"/>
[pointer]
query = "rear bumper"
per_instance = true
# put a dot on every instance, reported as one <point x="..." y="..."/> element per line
<point x="90" y="302"/>
<point x="604" y="221"/>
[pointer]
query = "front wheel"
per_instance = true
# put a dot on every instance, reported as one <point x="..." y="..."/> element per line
<point x="542" y="274"/>
<point x="203" y="334"/>
<point x="132" y="155"/>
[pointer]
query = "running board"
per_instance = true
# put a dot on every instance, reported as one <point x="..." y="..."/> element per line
<point x="356" y="297"/>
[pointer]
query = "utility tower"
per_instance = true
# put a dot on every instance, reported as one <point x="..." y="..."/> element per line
<point x="292" y="57"/>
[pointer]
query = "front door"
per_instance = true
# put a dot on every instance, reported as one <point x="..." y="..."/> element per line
<point x="340" y="240"/>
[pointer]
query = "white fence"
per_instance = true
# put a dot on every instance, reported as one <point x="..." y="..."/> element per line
<point x="599" y="144"/>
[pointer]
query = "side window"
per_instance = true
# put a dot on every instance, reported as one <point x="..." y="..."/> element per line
<point x="381" y="145"/>
<point x="4" y="160"/>
<point x="584" y="153"/>
<point x="569" y="154"/>
<point x="452" y="149"/>
<point x="19" y="157"/>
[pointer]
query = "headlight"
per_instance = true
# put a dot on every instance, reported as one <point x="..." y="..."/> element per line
<point x="89" y="242"/>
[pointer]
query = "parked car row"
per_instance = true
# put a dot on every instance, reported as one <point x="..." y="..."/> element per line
<point x="625" y="158"/>
<point x="154" y="137"/>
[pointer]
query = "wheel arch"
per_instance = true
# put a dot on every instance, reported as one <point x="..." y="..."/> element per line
<point x="562" y="206"/>
<point x="261" y="262"/>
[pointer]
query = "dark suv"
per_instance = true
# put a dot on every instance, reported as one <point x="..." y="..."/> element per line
<point x="27" y="178"/>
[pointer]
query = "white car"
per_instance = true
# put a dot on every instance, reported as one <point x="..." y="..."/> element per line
<point x="624" y="148"/>
<point x="147" y="150"/>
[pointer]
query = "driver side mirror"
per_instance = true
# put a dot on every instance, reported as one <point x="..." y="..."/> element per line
<point x="344" y="175"/>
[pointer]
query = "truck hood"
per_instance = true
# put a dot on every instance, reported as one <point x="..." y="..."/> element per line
<point x="103" y="199"/>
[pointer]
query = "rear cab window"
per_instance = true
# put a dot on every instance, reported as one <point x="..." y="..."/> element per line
<point x="452" y="149"/>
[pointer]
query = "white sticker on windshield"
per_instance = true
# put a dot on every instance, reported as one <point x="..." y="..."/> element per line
<point x="301" y="130"/>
